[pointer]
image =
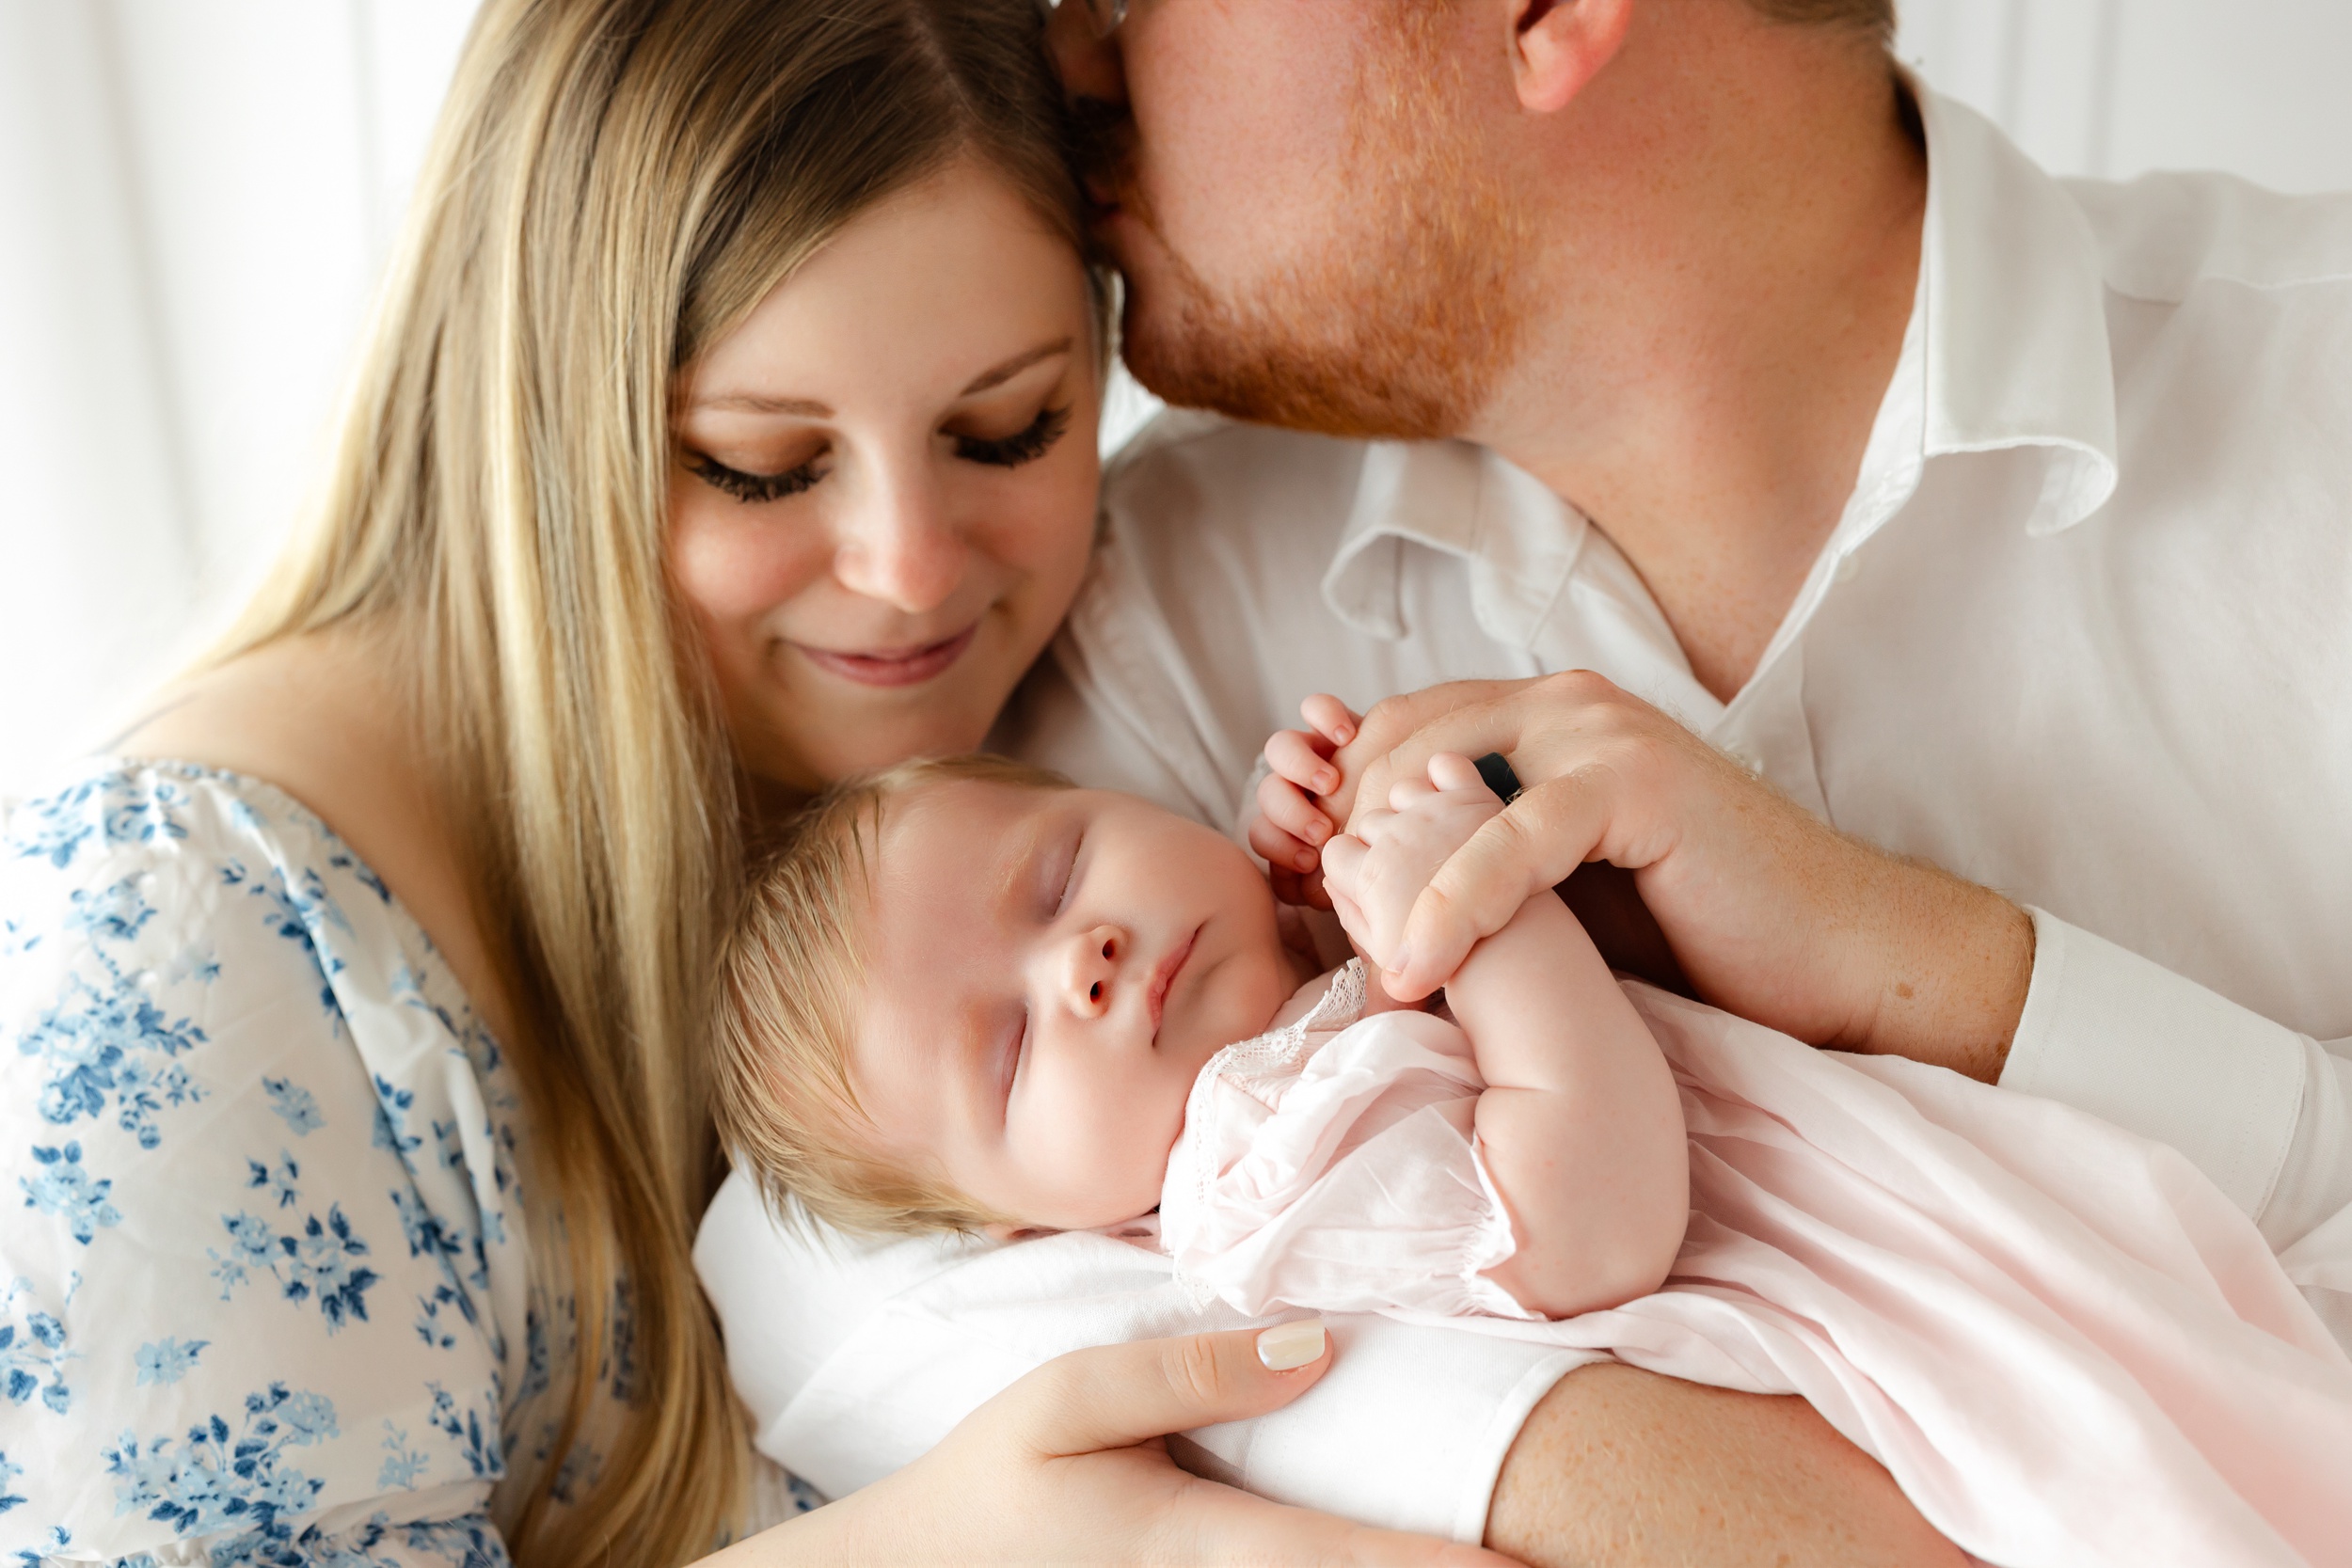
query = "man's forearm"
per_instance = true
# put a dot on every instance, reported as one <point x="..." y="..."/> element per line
<point x="1623" y="1469"/>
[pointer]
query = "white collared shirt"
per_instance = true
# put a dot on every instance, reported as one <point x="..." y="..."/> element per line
<point x="2083" y="634"/>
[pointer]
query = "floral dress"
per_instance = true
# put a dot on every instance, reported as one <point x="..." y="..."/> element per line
<point x="265" y="1290"/>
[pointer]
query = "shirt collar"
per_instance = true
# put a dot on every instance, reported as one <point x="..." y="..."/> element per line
<point x="2007" y="348"/>
<point x="2016" y="307"/>
<point x="1521" y="540"/>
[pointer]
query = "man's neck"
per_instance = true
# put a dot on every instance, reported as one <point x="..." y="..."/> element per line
<point x="1716" y="328"/>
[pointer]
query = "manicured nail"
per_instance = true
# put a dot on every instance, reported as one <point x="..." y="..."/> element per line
<point x="1288" y="1345"/>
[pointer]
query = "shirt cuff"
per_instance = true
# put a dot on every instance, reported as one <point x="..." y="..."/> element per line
<point x="2109" y="1032"/>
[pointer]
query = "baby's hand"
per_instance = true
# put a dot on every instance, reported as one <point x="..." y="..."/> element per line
<point x="1375" y="873"/>
<point x="1291" y="825"/>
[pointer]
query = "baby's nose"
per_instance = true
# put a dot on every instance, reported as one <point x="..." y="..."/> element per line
<point x="1093" y="967"/>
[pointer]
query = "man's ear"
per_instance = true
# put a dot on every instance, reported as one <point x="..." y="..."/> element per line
<point x="1563" y="44"/>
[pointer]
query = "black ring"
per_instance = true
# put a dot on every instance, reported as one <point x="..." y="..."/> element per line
<point x="1496" y="770"/>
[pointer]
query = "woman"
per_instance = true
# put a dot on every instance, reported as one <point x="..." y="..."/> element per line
<point x="357" y="1109"/>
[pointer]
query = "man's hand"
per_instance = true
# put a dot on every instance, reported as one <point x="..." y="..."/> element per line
<point x="1771" y="913"/>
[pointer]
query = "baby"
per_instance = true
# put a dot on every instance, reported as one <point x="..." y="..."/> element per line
<point x="1007" y="1032"/>
<point x="966" y="995"/>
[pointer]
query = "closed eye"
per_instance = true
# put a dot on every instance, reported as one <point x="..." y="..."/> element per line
<point x="754" y="489"/>
<point x="1023" y="446"/>
<point x="1017" y="1052"/>
<point x="1069" y="875"/>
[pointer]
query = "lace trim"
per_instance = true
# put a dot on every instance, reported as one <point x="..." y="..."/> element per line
<point x="1276" y="1050"/>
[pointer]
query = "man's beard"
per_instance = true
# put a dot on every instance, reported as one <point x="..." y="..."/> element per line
<point x="1397" y="325"/>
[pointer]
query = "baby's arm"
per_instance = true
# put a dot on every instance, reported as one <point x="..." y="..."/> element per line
<point x="1581" y="1125"/>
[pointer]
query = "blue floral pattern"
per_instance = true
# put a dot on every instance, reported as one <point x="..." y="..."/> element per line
<point x="260" y="1202"/>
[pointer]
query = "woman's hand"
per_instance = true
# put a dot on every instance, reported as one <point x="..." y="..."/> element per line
<point x="1069" y="1466"/>
<point x="1290" y="827"/>
<point x="1771" y="913"/>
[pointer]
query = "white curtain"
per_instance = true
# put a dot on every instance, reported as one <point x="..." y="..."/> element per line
<point x="196" y="197"/>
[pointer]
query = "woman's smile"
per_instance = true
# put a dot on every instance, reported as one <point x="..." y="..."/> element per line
<point x="903" y="666"/>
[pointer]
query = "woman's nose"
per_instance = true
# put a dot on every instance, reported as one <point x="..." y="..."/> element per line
<point x="1093" y="969"/>
<point x="901" y="549"/>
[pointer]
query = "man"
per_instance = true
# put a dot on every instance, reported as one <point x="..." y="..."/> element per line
<point x="1939" y="528"/>
<point x="2006" y="528"/>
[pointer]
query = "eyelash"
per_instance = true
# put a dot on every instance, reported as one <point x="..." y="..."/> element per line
<point x="754" y="489"/>
<point x="1023" y="445"/>
<point x="1003" y="452"/>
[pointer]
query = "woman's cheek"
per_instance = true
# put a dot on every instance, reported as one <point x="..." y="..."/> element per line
<point x="735" y="563"/>
<point x="1050" y="539"/>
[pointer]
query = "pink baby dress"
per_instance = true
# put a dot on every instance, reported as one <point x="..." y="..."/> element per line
<point x="2060" y="1338"/>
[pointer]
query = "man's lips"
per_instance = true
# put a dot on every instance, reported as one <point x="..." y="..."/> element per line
<point x="892" y="666"/>
<point x="1164" y="977"/>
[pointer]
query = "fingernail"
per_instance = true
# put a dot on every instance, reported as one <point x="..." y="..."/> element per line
<point x="1304" y="860"/>
<point x="1399" y="961"/>
<point x="1326" y="782"/>
<point x="1318" y="831"/>
<point x="1344" y="733"/>
<point x="1289" y="1345"/>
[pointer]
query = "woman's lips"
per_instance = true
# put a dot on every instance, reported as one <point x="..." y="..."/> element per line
<point x="893" y="667"/>
<point x="1164" y="977"/>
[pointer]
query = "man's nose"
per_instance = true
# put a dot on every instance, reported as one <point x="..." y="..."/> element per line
<point x="1091" y="969"/>
<point x="901" y="549"/>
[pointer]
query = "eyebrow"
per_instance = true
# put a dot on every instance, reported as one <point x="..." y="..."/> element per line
<point x="1018" y="869"/>
<point x="808" y="408"/>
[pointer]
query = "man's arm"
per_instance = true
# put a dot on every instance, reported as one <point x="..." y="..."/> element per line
<point x="1623" y="1468"/>
<point x="1776" y="916"/>
<point x="1771" y="913"/>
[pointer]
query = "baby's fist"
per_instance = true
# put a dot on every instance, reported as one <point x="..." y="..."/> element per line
<point x="1375" y="873"/>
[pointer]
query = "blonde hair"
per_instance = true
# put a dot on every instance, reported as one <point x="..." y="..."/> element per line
<point x="612" y="186"/>
<point x="791" y="981"/>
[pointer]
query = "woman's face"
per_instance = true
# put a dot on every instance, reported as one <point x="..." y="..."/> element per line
<point x="882" y="496"/>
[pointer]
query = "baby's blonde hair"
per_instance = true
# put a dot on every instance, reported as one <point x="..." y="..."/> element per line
<point x="792" y="973"/>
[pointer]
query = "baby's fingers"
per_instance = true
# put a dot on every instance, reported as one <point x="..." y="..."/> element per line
<point x="1331" y="719"/>
<point x="1451" y="770"/>
<point x="1303" y="759"/>
<point x="1280" y="851"/>
<point x="1286" y="809"/>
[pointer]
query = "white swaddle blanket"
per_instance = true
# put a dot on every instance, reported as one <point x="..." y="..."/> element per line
<point x="2062" y="1340"/>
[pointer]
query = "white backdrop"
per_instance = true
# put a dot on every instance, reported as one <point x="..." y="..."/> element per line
<point x="196" y="197"/>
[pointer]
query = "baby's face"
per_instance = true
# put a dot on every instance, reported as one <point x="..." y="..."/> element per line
<point x="1048" y="970"/>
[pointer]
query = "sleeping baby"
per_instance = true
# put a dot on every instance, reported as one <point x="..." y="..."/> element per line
<point x="966" y="995"/>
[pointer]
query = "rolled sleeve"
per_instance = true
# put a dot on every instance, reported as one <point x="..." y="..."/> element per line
<point x="2110" y="1032"/>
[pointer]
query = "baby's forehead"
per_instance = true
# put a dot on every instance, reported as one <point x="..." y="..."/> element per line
<point x="956" y="844"/>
